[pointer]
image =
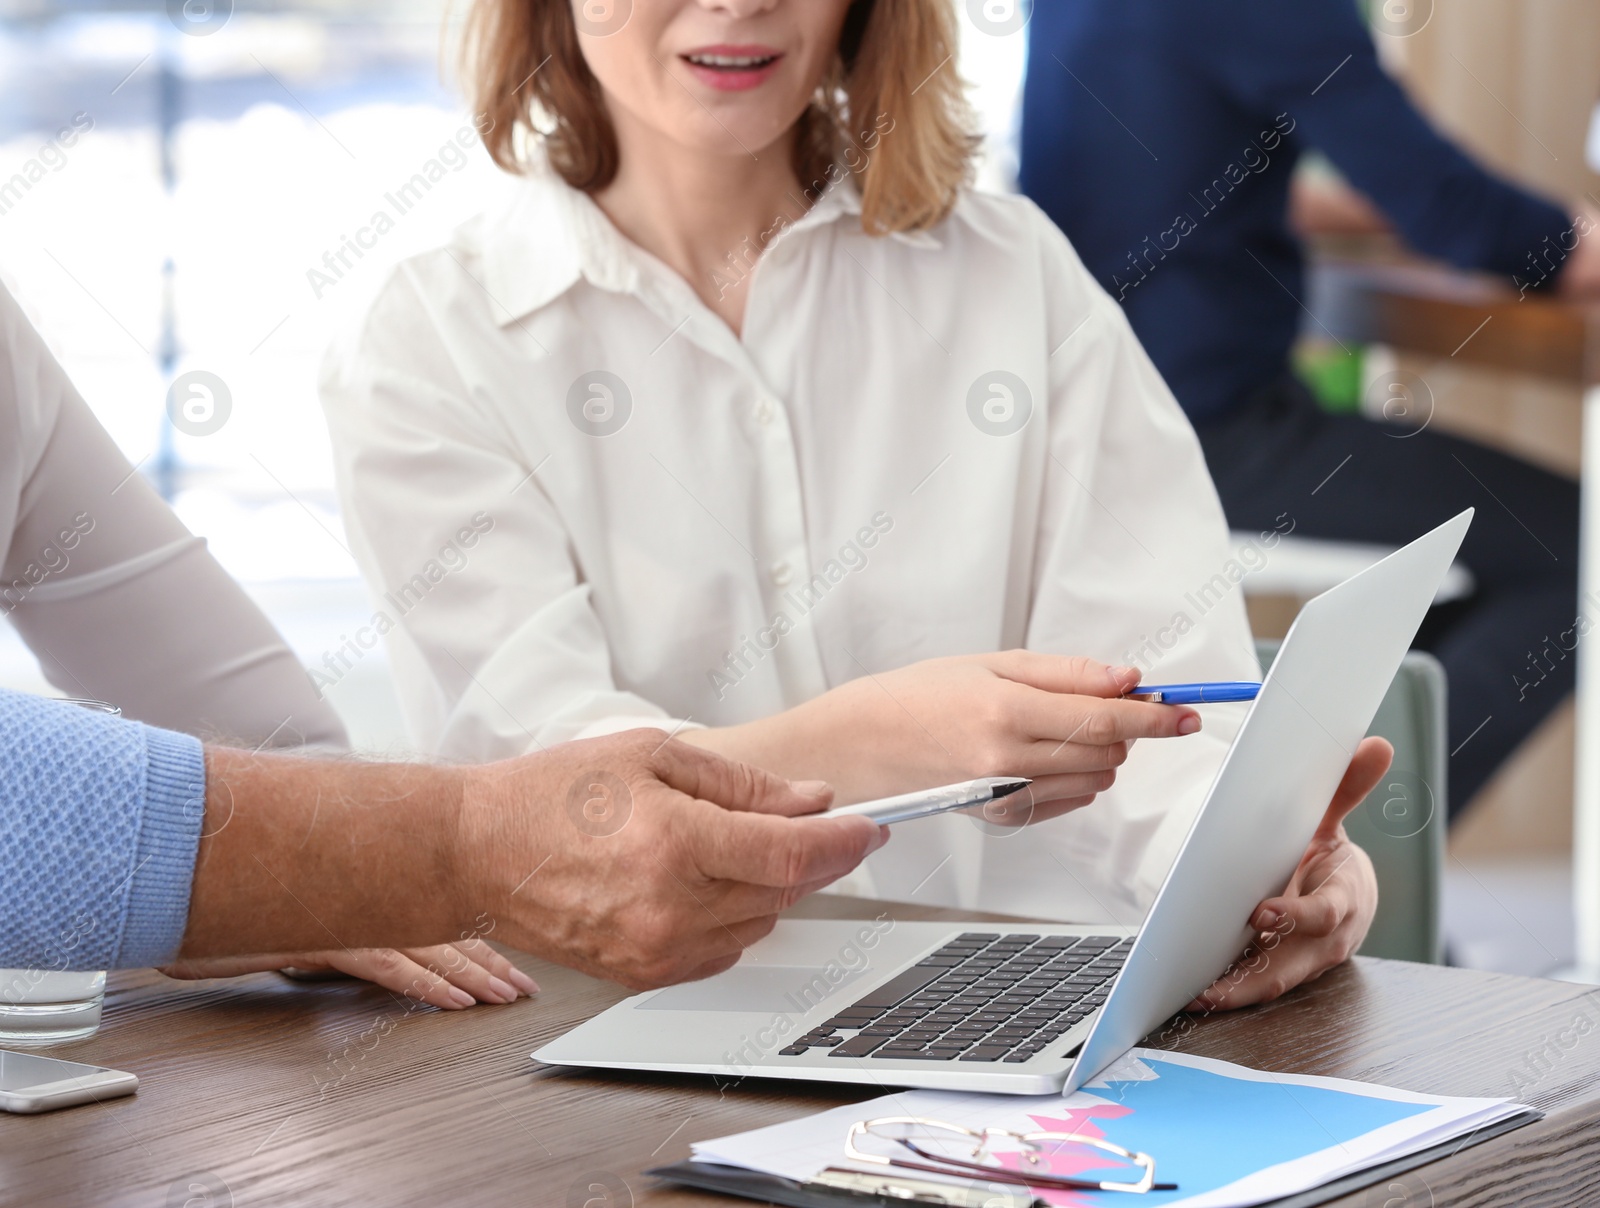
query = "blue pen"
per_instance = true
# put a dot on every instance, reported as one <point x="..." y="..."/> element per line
<point x="1196" y="694"/>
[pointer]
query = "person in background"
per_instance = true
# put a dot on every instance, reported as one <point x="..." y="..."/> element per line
<point x="121" y="603"/>
<point x="1162" y="135"/>
<point x="123" y="845"/>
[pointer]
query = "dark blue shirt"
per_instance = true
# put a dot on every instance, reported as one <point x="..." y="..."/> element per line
<point x="1160" y="135"/>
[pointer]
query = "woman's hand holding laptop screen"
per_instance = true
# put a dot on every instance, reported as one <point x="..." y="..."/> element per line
<point x="1321" y="918"/>
<point x="1060" y="721"/>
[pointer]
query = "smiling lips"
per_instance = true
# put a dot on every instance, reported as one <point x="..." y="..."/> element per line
<point x="732" y="68"/>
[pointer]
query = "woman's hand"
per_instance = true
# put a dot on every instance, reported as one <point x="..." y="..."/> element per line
<point x="451" y="976"/>
<point x="1322" y="917"/>
<point x="1058" y="720"/>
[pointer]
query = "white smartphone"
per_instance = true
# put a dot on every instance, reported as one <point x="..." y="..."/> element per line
<point x="31" y="1083"/>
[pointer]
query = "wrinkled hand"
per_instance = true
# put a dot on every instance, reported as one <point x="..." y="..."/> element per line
<point x="451" y="976"/>
<point x="644" y="860"/>
<point x="1056" y="719"/>
<point x="1322" y="917"/>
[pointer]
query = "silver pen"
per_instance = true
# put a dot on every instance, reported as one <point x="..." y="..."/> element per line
<point x="926" y="802"/>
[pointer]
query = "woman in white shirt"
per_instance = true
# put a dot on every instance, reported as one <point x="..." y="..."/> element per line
<point x="121" y="603"/>
<point x="747" y="420"/>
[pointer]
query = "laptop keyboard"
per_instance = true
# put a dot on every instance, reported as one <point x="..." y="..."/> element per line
<point x="982" y="997"/>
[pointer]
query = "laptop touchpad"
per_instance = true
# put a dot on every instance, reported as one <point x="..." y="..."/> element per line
<point x="754" y="988"/>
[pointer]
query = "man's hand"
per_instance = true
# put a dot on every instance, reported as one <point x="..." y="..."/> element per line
<point x="632" y="857"/>
<point x="644" y="860"/>
<point x="451" y="976"/>
<point x="1322" y="917"/>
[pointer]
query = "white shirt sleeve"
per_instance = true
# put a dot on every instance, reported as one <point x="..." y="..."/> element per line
<point x="1134" y="561"/>
<point x="496" y="647"/>
<point x="115" y="597"/>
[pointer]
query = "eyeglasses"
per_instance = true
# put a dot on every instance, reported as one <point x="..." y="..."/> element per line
<point x="950" y="1149"/>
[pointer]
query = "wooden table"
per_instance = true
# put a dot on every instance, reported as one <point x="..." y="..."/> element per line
<point x="1480" y="320"/>
<point x="264" y="1092"/>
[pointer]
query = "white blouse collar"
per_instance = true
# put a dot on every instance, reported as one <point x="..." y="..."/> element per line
<point x="547" y="236"/>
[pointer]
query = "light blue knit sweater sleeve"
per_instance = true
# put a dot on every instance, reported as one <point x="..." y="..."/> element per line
<point x="99" y="825"/>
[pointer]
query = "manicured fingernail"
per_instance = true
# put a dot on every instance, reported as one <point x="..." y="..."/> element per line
<point x="1125" y="673"/>
<point x="461" y="998"/>
<point x="810" y="788"/>
<point x="883" y="837"/>
<point x="1267" y="920"/>
<point x="1189" y="724"/>
<point x="523" y="982"/>
<point x="506" y="991"/>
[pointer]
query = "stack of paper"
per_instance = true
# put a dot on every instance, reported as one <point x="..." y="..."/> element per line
<point x="1224" y="1134"/>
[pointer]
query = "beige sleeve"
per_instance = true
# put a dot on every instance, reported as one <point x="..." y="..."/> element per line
<point x="119" y="601"/>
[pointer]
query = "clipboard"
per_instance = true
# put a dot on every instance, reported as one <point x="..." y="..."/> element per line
<point x="771" y="1189"/>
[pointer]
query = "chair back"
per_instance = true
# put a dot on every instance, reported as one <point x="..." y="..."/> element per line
<point x="1401" y="825"/>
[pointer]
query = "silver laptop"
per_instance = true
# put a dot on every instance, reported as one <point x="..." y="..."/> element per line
<point x="1036" y="1009"/>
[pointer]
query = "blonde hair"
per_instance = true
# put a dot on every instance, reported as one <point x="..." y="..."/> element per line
<point x="890" y="115"/>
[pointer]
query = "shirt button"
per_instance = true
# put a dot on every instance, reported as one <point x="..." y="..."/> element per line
<point x="782" y="572"/>
<point x="766" y="412"/>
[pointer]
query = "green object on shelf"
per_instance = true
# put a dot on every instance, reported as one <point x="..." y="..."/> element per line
<point x="1331" y="373"/>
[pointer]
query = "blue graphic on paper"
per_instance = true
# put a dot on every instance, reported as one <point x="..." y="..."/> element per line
<point x="1204" y="1130"/>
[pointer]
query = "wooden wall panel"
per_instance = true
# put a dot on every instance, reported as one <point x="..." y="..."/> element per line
<point x="1515" y="81"/>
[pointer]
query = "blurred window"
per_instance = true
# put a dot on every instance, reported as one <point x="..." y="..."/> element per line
<point x="196" y="195"/>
